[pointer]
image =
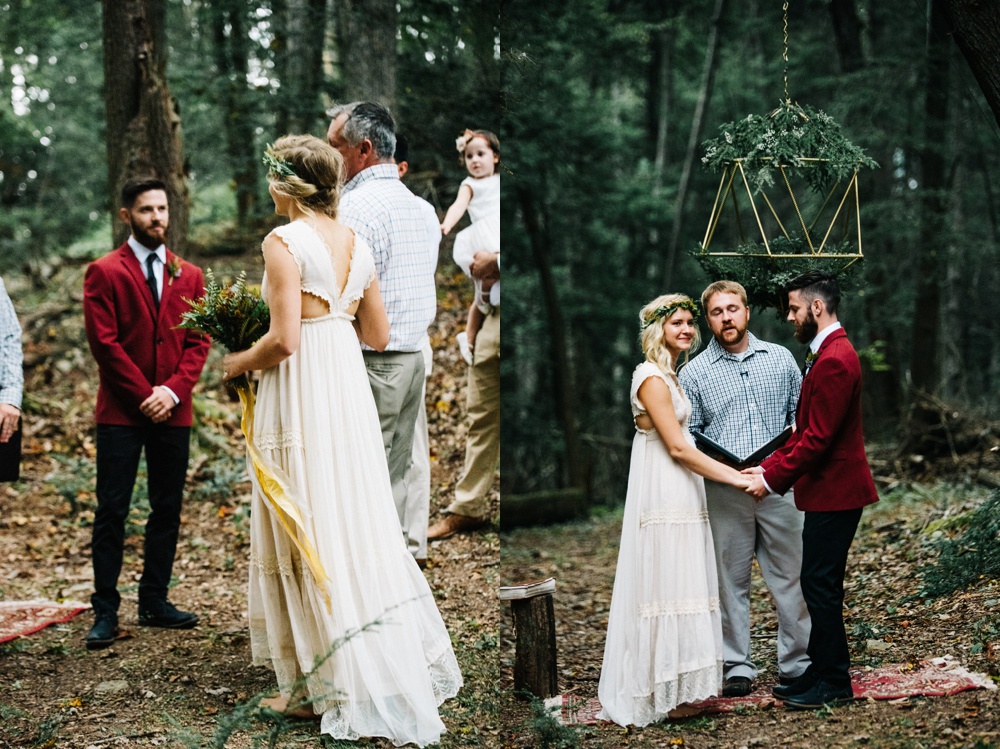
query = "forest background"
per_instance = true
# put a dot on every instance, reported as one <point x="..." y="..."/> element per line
<point x="607" y="105"/>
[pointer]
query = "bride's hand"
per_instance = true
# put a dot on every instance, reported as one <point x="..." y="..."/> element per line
<point x="229" y="367"/>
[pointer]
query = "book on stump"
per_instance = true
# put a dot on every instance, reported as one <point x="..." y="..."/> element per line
<point x="717" y="451"/>
<point x="528" y="590"/>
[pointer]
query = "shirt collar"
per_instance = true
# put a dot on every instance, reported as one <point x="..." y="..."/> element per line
<point x="822" y="336"/>
<point x="142" y="252"/>
<point x="716" y="352"/>
<point x="376" y="171"/>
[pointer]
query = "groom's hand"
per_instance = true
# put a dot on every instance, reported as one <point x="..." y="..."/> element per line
<point x="158" y="405"/>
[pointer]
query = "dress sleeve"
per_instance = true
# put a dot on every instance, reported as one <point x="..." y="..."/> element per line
<point x="292" y="239"/>
<point x="642" y="373"/>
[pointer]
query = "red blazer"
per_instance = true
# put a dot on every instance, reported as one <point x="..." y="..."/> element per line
<point x="135" y="346"/>
<point x="825" y="458"/>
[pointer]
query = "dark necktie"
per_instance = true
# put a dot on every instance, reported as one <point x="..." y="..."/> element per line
<point x="151" y="280"/>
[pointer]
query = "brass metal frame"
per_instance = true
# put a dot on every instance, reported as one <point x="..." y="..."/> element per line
<point x="728" y="191"/>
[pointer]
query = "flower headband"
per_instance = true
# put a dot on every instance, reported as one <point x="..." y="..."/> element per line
<point x="463" y="140"/>
<point x="662" y="313"/>
<point x="277" y="165"/>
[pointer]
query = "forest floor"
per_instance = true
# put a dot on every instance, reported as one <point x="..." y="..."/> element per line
<point x="887" y="623"/>
<point x="187" y="688"/>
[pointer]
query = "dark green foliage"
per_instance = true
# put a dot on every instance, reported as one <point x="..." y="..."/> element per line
<point x="785" y="137"/>
<point x="549" y="732"/>
<point x="972" y="557"/>
<point x="764" y="277"/>
<point x="234" y="316"/>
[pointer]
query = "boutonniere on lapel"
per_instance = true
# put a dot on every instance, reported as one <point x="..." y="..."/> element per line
<point x="811" y="358"/>
<point x="173" y="270"/>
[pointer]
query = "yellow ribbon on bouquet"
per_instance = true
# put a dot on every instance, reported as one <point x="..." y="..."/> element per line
<point x="278" y="495"/>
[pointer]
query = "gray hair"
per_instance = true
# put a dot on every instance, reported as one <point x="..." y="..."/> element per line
<point x="366" y="119"/>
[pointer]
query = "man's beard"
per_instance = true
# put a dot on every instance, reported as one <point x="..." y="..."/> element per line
<point x="740" y="335"/>
<point x="148" y="240"/>
<point x="807" y="331"/>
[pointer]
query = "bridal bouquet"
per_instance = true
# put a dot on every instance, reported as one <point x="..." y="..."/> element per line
<point x="235" y="316"/>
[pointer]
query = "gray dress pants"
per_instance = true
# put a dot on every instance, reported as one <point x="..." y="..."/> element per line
<point x="771" y="530"/>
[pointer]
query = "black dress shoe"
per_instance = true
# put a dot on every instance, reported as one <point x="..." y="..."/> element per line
<point x="820" y="694"/>
<point x="737" y="686"/>
<point x="103" y="633"/>
<point x="165" y="614"/>
<point x="788" y="687"/>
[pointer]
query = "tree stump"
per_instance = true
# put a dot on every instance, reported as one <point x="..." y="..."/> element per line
<point x="534" y="636"/>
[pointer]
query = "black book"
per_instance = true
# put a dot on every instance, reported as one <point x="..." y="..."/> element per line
<point x="717" y="451"/>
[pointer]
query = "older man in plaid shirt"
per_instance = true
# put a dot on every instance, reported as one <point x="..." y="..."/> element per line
<point x="743" y="392"/>
<point x="400" y="228"/>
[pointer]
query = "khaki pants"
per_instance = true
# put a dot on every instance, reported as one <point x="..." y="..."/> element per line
<point x="482" y="446"/>
<point x="397" y="380"/>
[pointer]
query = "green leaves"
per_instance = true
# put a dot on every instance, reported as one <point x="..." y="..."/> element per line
<point x="790" y="136"/>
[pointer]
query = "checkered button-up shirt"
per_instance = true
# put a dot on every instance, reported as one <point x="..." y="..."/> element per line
<point x="382" y="211"/>
<point x="11" y="361"/>
<point x="742" y="400"/>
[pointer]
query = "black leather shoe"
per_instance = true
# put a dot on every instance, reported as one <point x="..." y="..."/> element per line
<point x="788" y="687"/>
<point x="820" y="694"/>
<point x="104" y="631"/>
<point x="165" y="614"/>
<point x="737" y="686"/>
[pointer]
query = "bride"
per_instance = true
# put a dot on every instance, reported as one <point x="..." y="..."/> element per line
<point x="664" y="643"/>
<point x="316" y="424"/>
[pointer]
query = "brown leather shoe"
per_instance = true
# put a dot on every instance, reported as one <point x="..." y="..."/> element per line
<point x="449" y="525"/>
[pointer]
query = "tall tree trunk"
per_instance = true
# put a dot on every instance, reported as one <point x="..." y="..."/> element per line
<point x="847" y="34"/>
<point x="367" y="41"/>
<point x="976" y="27"/>
<point x="299" y="35"/>
<point x="231" y="54"/>
<point x="697" y="127"/>
<point x="562" y="384"/>
<point x="144" y="126"/>
<point x="932" y="256"/>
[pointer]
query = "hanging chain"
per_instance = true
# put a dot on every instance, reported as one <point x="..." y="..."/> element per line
<point x="784" y="54"/>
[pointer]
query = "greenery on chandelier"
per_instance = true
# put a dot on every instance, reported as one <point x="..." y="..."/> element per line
<point x="787" y="137"/>
<point x="764" y="277"/>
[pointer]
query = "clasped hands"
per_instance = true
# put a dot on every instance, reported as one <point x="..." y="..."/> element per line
<point x="158" y="406"/>
<point x="757" y="489"/>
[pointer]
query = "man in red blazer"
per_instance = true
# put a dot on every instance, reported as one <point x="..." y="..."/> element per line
<point x="826" y="463"/>
<point x="133" y="298"/>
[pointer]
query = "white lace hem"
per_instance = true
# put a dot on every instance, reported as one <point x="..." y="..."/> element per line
<point x="278" y="440"/>
<point x="679" y="607"/>
<point x="669" y="517"/>
<point x="688" y="687"/>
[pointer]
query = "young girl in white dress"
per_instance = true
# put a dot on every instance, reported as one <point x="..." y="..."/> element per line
<point x="664" y="644"/>
<point x="480" y="194"/>
<point x="317" y="426"/>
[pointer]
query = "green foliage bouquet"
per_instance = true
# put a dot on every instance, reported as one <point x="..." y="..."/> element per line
<point x="791" y="136"/>
<point x="235" y="316"/>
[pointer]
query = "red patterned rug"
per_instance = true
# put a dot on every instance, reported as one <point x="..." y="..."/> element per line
<point x="937" y="677"/>
<point x="19" y="618"/>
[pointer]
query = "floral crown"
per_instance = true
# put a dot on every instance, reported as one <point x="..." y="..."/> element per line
<point x="662" y="313"/>
<point x="463" y="140"/>
<point x="276" y="164"/>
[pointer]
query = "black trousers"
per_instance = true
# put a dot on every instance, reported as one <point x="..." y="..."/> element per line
<point x="118" y="451"/>
<point x="826" y="539"/>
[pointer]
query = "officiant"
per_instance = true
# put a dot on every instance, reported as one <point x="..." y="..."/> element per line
<point x="744" y="392"/>
<point x="11" y="385"/>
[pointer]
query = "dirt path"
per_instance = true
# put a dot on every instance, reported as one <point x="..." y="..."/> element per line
<point x="156" y="687"/>
<point x="884" y="626"/>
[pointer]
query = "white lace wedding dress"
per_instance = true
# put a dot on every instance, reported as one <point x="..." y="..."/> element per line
<point x="664" y="645"/>
<point x="316" y="421"/>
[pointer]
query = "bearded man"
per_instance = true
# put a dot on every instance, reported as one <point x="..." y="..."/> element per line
<point x="743" y="392"/>
<point x="825" y="460"/>
<point x="133" y="299"/>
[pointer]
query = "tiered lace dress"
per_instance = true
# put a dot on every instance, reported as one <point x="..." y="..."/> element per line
<point x="316" y="421"/>
<point x="664" y="645"/>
